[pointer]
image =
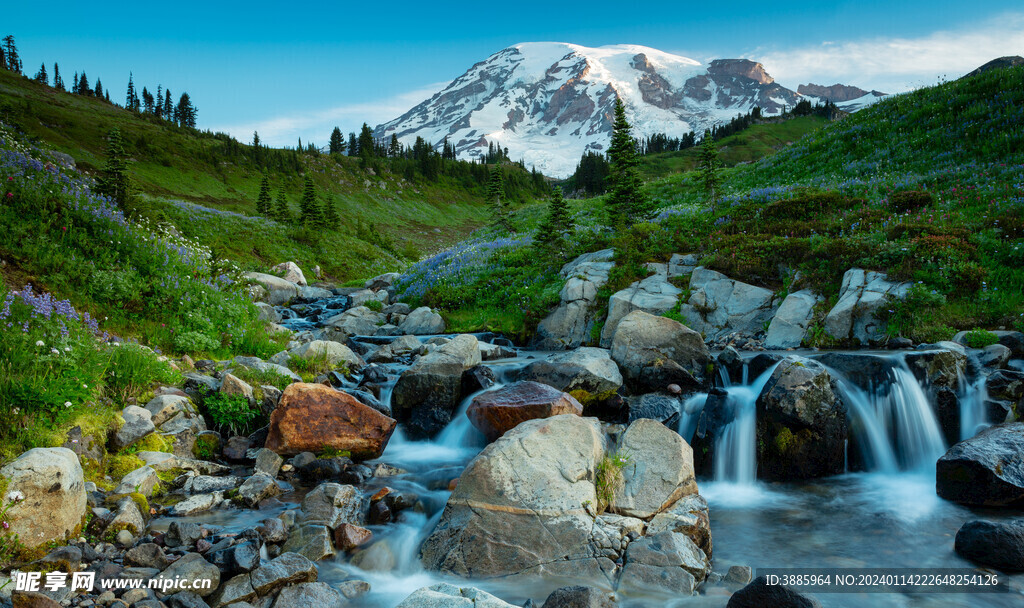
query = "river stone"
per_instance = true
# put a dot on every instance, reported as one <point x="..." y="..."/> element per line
<point x="579" y="597"/>
<point x="520" y="503"/>
<point x="995" y="544"/>
<point x="653" y="295"/>
<point x="266" y="366"/>
<point x="938" y="368"/>
<point x="233" y="385"/>
<point x="801" y="423"/>
<point x="658" y="473"/>
<point x="570" y="324"/>
<point x="314" y="417"/>
<point x="279" y="292"/>
<point x="496" y="412"/>
<point x="193" y="567"/>
<point x="257" y="488"/>
<point x="861" y="295"/>
<point x="142" y="480"/>
<point x="654" y="352"/>
<point x="138" y="423"/>
<point x="285" y="569"/>
<point x="446" y="595"/>
<point x="308" y="595"/>
<point x="586" y="369"/>
<point x="656" y="406"/>
<point x="146" y="555"/>
<point x="422" y="322"/>
<point x="331" y="505"/>
<point x="290" y="271"/>
<point x="985" y="470"/>
<point x="205" y="484"/>
<point x="310" y="541"/>
<point x="268" y="462"/>
<point x="53" y="487"/>
<point x="350" y="536"/>
<point x="335" y="353"/>
<point x="196" y="504"/>
<point x="357" y="321"/>
<point x="233" y="592"/>
<point x="759" y="594"/>
<point x="689" y="516"/>
<point x="789" y="325"/>
<point x="668" y="560"/>
<point x="719" y="305"/>
<point x="427" y="393"/>
<point x="994" y="356"/>
<point x="267" y="313"/>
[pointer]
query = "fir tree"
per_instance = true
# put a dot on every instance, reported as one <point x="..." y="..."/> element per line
<point x="58" y="82"/>
<point x="168" y="106"/>
<point x="263" y="199"/>
<point x="185" y="112"/>
<point x="331" y="217"/>
<point x="557" y="223"/>
<point x="496" y="197"/>
<point x="337" y="142"/>
<point x="626" y="204"/>
<point x="282" y="211"/>
<point x="394" y="148"/>
<point x="131" y="100"/>
<point x="309" y="209"/>
<point x="147" y="101"/>
<point x="353" y="145"/>
<point x="74" y="84"/>
<point x="11" y="59"/>
<point x="158" y="109"/>
<point x="366" y="142"/>
<point x="707" y="167"/>
<point x="83" y="85"/>
<point x="114" y="180"/>
<point x="98" y="91"/>
<point x="41" y="76"/>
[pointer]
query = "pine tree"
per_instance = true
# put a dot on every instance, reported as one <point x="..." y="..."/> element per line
<point x="58" y="82"/>
<point x="496" y="197"/>
<point x="331" y="217"/>
<point x="309" y="209"/>
<point x="83" y="85"/>
<point x="168" y="106"/>
<point x="557" y="223"/>
<point x="353" y="145"/>
<point x="147" y="101"/>
<point x="74" y="84"/>
<point x="114" y="180"/>
<point x="185" y="112"/>
<point x="627" y="203"/>
<point x="707" y="167"/>
<point x="394" y="148"/>
<point x="158" y="109"/>
<point x="282" y="211"/>
<point x="11" y="59"/>
<point x="132" y="97"/>
<point x="263" y="199"/>
<point x="366" y="142"/>
<point x="98" y="91"/>
<point x="337" y="142"/>
<point x="41" y="76"/>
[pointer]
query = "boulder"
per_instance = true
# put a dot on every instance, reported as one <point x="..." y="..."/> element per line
<point x="689" y="516"/>
<point x="861" y="295"/>
<point x="994" y="544"/>
<point x="278" y="291"/>
<point x="658" y="473"/>
<point x="719" y="305"/>
<point x="193" y="567"/>
<point x="335" y="353"/>
<point x="985" y="470"/>
<point x="656" y="406"/>
<point x="268" y="313"/>
<point x="666" y="560"/>
<point x="1014" y="340"/>
<point x="290" y="271"/>
<point x="268" y="462"/>
<point x="446" y="595"/>
<point x="422" y="322"/>
<point x="938" y="367"/>
<point x="233" y="385"/>
<point x="789" y="325"/>
<point x="653" y="352"/>
<point x="994" y="356"/>
<point x="682" y="264"/>
<point x="579" y="597"/>
<point x="310" y="541"/>
<point x="496" y="412"/>
<point x="138" y="423"/>
<point x="307" y="595"/>
<point x="801" y="423"/>
<point x="350" y="536"/>
<point x="258" y="488"/>
<point x="570" y="324"/>
<point x="332" y="505"/>
<point x="655" y="295"/>
<point x="382" y="281"/>
<point x="45" y="489"/>
<point x="265" y="366"/>
<point x="357" y="321"/>
<point x="141" y="480"/>
<point x="313" y="417"/>
<point x="235" y="592"/>
<point x="427" y="394"/>
<point x="759" y="594"/>
<point x="285" y="569"/>
<point x="589" y="373"/>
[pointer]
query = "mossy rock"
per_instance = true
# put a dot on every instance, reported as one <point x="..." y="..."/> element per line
<point x="206" y="447"/>
<point x="786" y="442"/>
<point x="119" y="465"/>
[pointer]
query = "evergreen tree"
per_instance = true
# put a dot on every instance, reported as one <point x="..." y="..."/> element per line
<point x="707" y="167"/>
<point x="58" y="82"/>
<point x="557" y="223"/>
<point x="147" y="101"/>
<point x="309" y="209"/>
<point x="12" y="61"/>
<point x="337" y="142"/>
<point x="331" y="216"/>
<point x="168" y="106"/>
<point x="626" y="204"/>
<point x="158" y="108"/>
<point x="185" y="112"/>
<point x="74" y="84"/>
<point x="83" y="85"/>
<point x="98" y="91"/>
<point x="263" y="199"/>
<point x="496" y="197"/>
<point x="131" y="100"/>
<point x="41" y="76"/>
<point x="366" y="142"/>
<point x="353" y="145"/>
<point x="282" y="211"/>
<point x="114" y="180"/>
<point x="394" y="148"/>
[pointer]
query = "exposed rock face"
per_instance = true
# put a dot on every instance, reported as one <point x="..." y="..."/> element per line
<point x="654" y="295"/>
<point x="52" y="485"/>
<point x="278" y="291"/>
<point x="496" y="412"/>
<point x="789" y="325"/>
<point x="584" y="369"/>
<point x="719" y="305"/>
<point x="862" y="294"/>
<point x="668" y="560"/>
<point x="427" y="393"/>
<point x="801" y="423"/>
<point x="290" y="272"/>
<point x="836" y="93"/>
<point x="653" y="352"/>
<point x="996" y="64"/>
<point x="446" y="595"/>
<point x="659" y="471"/>
<point x="422" y="321"/>
<point x="570" y="324"/>
<point x="314" y="417"/>
<point x="996" y="544"/>
<point x="985" y="470"/>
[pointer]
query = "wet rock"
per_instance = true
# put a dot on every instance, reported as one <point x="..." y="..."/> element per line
<point x="313" y="417"/>
<point x="445" y="595"/>
<point x="193" y="567"/>
<point x="719" y="306"/>
<point x="333" y="352"/>
<point x="789" y="325"/>
<point x="331" y="505"/>
<point x="496" y="412"/>
<point x="760" y="594"/>
<point x="668" y="560"/>
<point x="236" y="590"/>
<point x="146" y="555"/>
<point x="994" y="544"/>
<point x="350" y="536"/>
<point x="183" y="599"/>
<point x="378" y="557"/>
<point x="357" y="321"/>
<point x="427" y="393"/>
<point x="182" y="534"/>
<point x="353" y="589"/>
<point x="477" y="379"/>
<point x="994" y="356"/>
<point x="985" y="470"/>
<point x="801" y="423"/>
<point x="861" y="295"/>
<point x="689" y="516"/>
<point x="257" y="488"/>
<point x="268" y="462"/>
<point x="243" y="557"/>
<point x="237" y="449"/>
<point x="658" y="473"/>
<point x="586" y="369"/>
<point x="196" y="504"/>
<point x="654" y="295"/>
<point x="738" y="574"/>
<point x="941" y="368"/>
<point x="286" y="569"/>
<point x="137" y="424"/>
<point x="655" y="406"/>
<point x="272" y="530"/>
<point x="579" y="597"/>
<point x="311" y="541"/>
<point x="1014" y="340"/>
<point x="306" y="595"/>
<point x="52" y="485"/>
<point x="653" y="352"/>
<point x="570" y="324"/>
<point x="1006" y="385"/>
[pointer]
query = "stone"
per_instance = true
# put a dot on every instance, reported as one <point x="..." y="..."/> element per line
<point x="237" y="449"/>
<point x="495" y="412"/>
<point x="183" y="534"/>
<point x="669" y="560"/>
<point x="938" y="367"/>
<point x="801" y="423"/>
<point x="273" y="530"/>
<point x="88" y="447"/>
<point x="290" y="271"/>
<point x="243" y="557"/>
<point x="313" y="417"/>
<point x="233" y="385"/>
<point x="311" y="541"/>
<point x="193" y="567"/>
<point x="165" y="407"/>
<point x="257" y="488"/>
<point x="307" y="595"/>
<point x="446" y="595"/>
<point x="427" y="393"/>
<point x="278" y="291"/>
<point x="267" y="312"/>
<point x="205" y="484"/>
<point x="985" y="470"/>
<point x="354" y="588"/>
<point x="236" y="590"/>
<point x="994" y="544"/>
<point x="50" y="487"/>
<point x="350" y="536"/>
<point x="142" y="480"/>
<point x="32" y="599"/>
<point x="741" y="575"/>
<point x="285" y="569"/>
<point x="994" y="356"/>
<point x="260" y="365"/>
<point x="760" y="594"/>
<point x="719" y="305"/>
<point x="570" y="324"/>
<point x="357" y="321"/>
<point x="422" y="322"/>
<point x="146" y="555"/>
<point x="663" y="408"/>
<point x="861" y="295"/>
<point x="682" y="264"/>
<point x="333" y="352"/>
<point x="658" y="473"/>
<point x="1014" y="340"/>
<point x="137" y="424"/>
<point x="584" y="369"/>
<point x="268" y="462"/>
<point x="653" y="352"/>
<point x="791" y="321"/>
<point x="331" y="505"/>
<point x="654" y="295"/>
<point x="196" y="504"/>
<point x="579" y="597"/>
<point x="688" y="516"/>
<point x="377" y="557"/>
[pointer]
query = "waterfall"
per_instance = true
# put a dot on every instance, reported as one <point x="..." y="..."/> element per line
<point x="736" y="446"/>
<point x="972" y="396"/>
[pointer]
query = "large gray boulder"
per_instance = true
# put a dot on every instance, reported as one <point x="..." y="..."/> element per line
<point x="427" y="393"/>
<point x="46" y="491"/>
<point x="653" y="352"/>
<point x="719" y="305"/>
<point x="138" y="422"/>
<point x="658" y="473"/>
<point x="861" y="295"/>
<point x="996" y="544"/>
<point x="290" y="271"/>
<point x="421" y="322"/>
<point x="334" y="352"/>
<point x="655" y="295"/>
<point x="446" y="595"/>
<point x="570" y="324"/>
<point x="358" y="321"/>
<point x="278" y="291"/>
<point x="986" y="470"/>
<point x="667" y="560"/>
<point x="584" y="370"/>
<point x="789" y="325"/>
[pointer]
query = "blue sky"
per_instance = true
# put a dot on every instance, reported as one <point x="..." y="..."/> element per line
<point x="296" y="69"/>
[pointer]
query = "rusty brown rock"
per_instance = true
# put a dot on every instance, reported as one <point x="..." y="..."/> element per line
<point x="496" y="412"/>
<point x="350" y="536"/>
<point x="313" y="418"/>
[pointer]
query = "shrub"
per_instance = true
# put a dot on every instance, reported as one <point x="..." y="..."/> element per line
<point x="374" y="305"/>
<point x="909" y="201"/>
<point x="609" y="478"/>
<point x="980" y="338"/>
<point x="230" y="412"/>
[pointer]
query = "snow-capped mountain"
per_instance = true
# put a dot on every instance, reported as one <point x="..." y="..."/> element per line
<point x="549" y="102"/>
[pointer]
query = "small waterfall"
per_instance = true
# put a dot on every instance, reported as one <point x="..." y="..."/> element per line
<point x="689" y="414"/>
<point x="736" y="445"/>
<point x="972" y="396"/>
<point x="723" y="376"/>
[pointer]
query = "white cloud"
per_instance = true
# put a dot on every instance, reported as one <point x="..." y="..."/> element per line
<point x="316" y="125"/>
<point x="897" y="64"/>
